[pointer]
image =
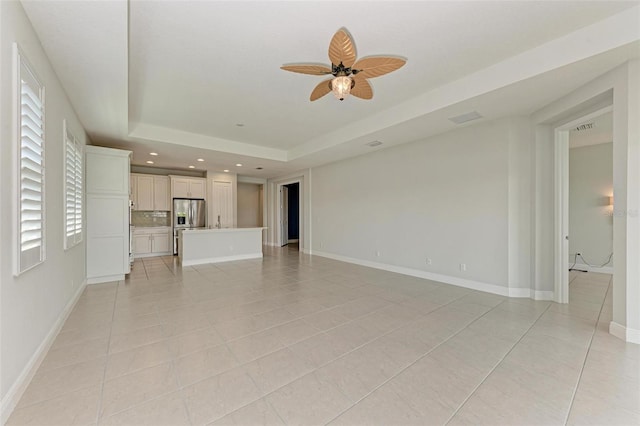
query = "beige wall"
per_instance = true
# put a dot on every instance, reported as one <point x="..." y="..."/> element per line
<point x="249" y="205"/>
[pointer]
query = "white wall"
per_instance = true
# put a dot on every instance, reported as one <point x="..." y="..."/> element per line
<point x="590" y="219"/>
<point x="33" y="304"/>
<point x="249" y="205"/>
<point x="445" y="198"/>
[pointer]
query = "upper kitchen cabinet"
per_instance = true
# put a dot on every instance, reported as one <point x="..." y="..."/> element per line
<point x="161" y="196"/>
<point x="150" y="192"/>
<point x="110" y="174"/>
<point x="188" y="187"/>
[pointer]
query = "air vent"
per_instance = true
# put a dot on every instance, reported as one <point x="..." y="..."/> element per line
<point x="374" y="143"/>
<point x="464" y="118"/>
<point x="587" y="126"/>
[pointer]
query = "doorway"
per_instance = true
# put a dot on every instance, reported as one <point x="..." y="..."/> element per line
<point x="563" y="261"/>
<point x="289" y="225"/>
<point x="290" y="215"/>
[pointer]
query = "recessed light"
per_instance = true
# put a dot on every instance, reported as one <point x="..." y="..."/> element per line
<point x="238" y="165"/>
<point x="226" y="171"/>
<point x="200" y="159"/>
<point x="192" y="167"/>
<point x="240" y="124"/>
<point x="149" y="162"/>
<point x="153" y="153"/>
<point x="258" y="168"/>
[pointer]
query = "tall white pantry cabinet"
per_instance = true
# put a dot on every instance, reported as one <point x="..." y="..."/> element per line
<point x="107" y="188"/>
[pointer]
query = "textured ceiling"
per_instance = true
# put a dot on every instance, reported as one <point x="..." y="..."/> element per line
<point x="166" y="75"/>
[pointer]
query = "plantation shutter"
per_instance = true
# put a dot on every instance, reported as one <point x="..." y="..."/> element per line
<point x="73" y="190"/>
<point x="31" y="178"/>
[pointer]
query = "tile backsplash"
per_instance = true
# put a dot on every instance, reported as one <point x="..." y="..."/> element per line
<point x="144" y="218"/>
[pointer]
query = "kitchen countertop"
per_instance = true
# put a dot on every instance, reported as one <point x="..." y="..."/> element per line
<point x="189" y="231"/>
<point x="145" y="228"/>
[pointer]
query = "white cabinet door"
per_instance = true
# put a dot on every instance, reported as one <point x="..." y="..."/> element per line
<point x="145" y="192"/>
<point x="107" y="171"/>
<point x="107" y="207"/>
<point x="197" y="188"/>
<point x="222" y="204"/>
<point x="160" y="242"/>
<point x="180" y="188"/>
<point x="161" y="193"/>
<point x="141" y="244"/>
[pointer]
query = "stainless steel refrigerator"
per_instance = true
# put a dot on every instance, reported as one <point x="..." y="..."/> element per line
<point x="187" y="214"/>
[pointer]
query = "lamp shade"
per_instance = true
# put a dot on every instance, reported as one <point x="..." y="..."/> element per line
<point x="341" y="87"/>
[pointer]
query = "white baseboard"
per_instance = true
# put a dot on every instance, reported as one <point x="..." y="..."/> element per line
<point x="542" y="295"/>
<point x="603" y="270"/>
<point x="627" y="334"/>
<point x="222" y="259"/>
<point x="447" y="279"/>
<point x="530" y="293"/>
<point x="295" y="240"/>
<point x="10" y="400"/>
<point x="105" y="279"/>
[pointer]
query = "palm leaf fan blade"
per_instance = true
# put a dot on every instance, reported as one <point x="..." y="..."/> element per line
<point x="320" y="90"/>
<point x="377" y="66"/>
<point x="341" y="49"/>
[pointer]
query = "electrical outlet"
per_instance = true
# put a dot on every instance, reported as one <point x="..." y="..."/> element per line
<point x="377" y="253"/>
<point x="321" y="244"/>
<point x="428" y="261"/>
<point x="463" y="267"/>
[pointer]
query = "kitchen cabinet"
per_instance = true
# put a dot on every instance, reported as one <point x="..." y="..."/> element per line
<point x="107" y="202"/>
<point x="148" y="242"/>
<point x="151" y="192"/>
<point x="187" y="187"/>
<point x="161" y="193"/>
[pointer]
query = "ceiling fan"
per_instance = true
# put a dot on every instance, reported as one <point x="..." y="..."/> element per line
<point x="349" y="76"/>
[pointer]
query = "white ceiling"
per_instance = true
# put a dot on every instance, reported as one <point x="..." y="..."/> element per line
<point x="176" y="77"/>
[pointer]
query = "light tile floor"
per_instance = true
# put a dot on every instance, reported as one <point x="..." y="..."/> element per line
<point x="301" y="340"/>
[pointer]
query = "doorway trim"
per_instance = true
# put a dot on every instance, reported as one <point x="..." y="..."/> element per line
<point x="278" y="224"/>
<point x="561" y="202"/>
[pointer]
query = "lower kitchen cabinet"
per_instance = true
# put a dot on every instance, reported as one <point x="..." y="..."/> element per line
<point x="148" y="242"/>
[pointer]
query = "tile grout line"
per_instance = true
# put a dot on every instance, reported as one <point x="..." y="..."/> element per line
<point x="174" y="369"/>
<point x="414" y="362"/>
<point x="497" y="364"/>
<point x="106" y="361"/>
<point x="586" y="355"/>
<point x="320" y="366"/>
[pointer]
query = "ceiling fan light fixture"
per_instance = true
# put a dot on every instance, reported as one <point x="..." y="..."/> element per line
<point x="341" y="87"/>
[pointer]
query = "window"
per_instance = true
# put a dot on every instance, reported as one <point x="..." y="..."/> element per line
<point x="31" y="184"/>
<point x="72" y="189"/>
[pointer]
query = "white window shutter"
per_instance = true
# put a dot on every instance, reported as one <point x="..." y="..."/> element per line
<point x="31" y="169"/>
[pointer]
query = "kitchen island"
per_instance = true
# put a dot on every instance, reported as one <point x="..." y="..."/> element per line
<point x="199" y="246"/>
